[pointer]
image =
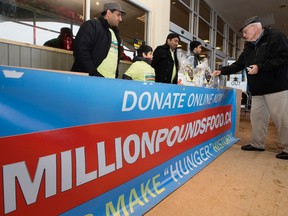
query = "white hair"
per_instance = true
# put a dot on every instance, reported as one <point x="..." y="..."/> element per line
<point x="257" y="24"/>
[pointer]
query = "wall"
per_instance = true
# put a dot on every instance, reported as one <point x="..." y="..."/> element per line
<point x="160" y="19"/>
<point x="26" y="55"/>
<point x="32" y="56"/>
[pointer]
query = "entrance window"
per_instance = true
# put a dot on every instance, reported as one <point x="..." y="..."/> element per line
<point x="204" y="31"/>
<point x="187" y="2"/>
<point x="231" y="44"/>
<point x="204" y="22"/>
<point x="180" y="14"/>
<point x="204" y="11"/>
<point x="220" y="40"/>
<point x="38" y="21"/>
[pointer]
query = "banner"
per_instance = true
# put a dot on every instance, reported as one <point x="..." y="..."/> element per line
<point x="78" y="145"/>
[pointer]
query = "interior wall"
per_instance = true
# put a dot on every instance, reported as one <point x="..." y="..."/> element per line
<point x="160" y="17"/>
<point x="34" y="56"/>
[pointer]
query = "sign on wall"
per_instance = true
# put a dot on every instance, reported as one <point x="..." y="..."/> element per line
<point x="74" y="145"/>
<point x="238" y="80"/>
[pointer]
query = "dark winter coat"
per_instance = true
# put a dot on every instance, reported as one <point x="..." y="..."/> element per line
<point x="91" y="46"/>
<point x="163" y="64"/>
<point x="270" y="54"/>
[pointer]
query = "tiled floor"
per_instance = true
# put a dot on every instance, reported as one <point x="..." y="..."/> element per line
<point x="237" y="183"/>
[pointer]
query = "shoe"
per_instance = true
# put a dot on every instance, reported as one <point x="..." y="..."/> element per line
<point x="282" y="155"/>
<point x="251" y="148"/>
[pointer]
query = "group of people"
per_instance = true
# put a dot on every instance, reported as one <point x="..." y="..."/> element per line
<point x="97" y="51"/>
<point x="265" y="57"/>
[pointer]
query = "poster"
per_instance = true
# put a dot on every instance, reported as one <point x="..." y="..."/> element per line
<point x="78" y="145"/>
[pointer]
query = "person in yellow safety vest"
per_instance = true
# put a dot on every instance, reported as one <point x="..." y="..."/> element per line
<point x="141" y="69"/>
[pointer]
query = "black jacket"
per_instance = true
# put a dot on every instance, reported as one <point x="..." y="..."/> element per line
<point x="163" y="64"/>
<point x="270" y="54"/>
<point x="91" y="46"/>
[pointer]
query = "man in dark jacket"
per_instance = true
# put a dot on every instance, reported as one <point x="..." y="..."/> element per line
<point x="265" y="58"/>
<point x="96" y="46"/>
<point x="165" y="60"/>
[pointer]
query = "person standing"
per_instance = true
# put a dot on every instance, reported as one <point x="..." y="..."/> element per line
<point x="96" y="46"/>
<point x="141" y="69"/>
<point x="265" y="58"/>
<point x="165" y="60"/>
<point x="195" y="50"/>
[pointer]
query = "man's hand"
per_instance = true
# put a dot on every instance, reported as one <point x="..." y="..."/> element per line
<point x="216" y="73"/>
<point x="252" y="69"/>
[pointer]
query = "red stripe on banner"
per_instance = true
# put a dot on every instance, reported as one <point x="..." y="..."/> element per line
<point x="90" y="160"/>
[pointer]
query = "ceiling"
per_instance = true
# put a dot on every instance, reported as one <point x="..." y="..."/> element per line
<point x="234" y="12"/>
<point x="272" y="13"/>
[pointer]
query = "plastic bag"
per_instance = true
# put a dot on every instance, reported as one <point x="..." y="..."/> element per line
<point x="203" y="76"/>
<point x="186" y="70"/>
<point x="190" y="76"/>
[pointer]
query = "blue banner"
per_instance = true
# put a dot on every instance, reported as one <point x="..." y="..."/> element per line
<point x="106" y="146"/>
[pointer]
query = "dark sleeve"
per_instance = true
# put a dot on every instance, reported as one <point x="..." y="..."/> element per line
<point x="48" y="43"/>
<point x="235" y="67"/>
<point x="156" y="57"/>
<point x="53" y="43"/>
<point x="159" y="64"/>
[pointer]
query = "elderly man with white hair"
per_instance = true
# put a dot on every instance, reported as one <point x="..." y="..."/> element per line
<point x="265" y="58"/>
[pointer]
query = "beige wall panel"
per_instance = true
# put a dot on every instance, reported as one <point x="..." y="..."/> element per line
<point x="4" y="54"/>
<point x="25" y="56"/>
<point x="14" y="55"/>
<point x="55" y="61"/>
<point x="35" y="58"/>
<point x="160" y="12"/>
<point x="62" y="61"/>
<point x="69" y="62"/>
<point x="45" y="59"/>
<point x="123" y="66"/>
